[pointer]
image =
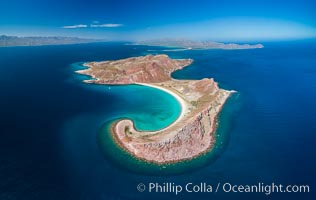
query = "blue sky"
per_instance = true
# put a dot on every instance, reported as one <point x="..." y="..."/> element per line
<point x="221" y="20"/>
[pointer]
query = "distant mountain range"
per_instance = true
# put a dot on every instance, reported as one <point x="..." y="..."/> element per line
<point x="6" y="41"/>
<point x="190" y="44"/>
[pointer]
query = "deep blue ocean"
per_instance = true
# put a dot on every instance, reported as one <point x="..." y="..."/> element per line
<point x="51" y="123"/>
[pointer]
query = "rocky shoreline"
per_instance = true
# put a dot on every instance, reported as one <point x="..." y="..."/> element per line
<point x="193" y="139"/>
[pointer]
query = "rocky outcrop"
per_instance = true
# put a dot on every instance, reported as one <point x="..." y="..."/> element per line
<point x="145" y="69"/>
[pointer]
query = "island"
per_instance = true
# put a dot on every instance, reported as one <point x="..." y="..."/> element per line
<point x="191" y="134"/>
<point x="195" y="44"/>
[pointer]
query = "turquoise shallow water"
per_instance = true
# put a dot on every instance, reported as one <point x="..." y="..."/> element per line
<point x="149" y="108"/>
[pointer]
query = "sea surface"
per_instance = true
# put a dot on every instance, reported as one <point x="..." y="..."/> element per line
<point x="54" y="141"/>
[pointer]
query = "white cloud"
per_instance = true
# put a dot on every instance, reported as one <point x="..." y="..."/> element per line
<point x="105" y="25"/>
<point x="76" y="26"/>
<point x="93" y="25"/>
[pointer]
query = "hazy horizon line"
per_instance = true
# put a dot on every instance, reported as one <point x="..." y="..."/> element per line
<point x="165" y="38"/>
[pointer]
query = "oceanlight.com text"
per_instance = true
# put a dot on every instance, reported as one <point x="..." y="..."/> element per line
<point x="204" y="187"/>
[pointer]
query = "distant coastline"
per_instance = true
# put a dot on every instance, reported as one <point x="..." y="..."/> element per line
<point x="195" y="45"/>
<point x="11" y="41"/>
<point x="181" y="44"/>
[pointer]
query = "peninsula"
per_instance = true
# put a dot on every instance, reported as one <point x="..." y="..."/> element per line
<point x="195" y="44"/>
<point x="192" y="134"/>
